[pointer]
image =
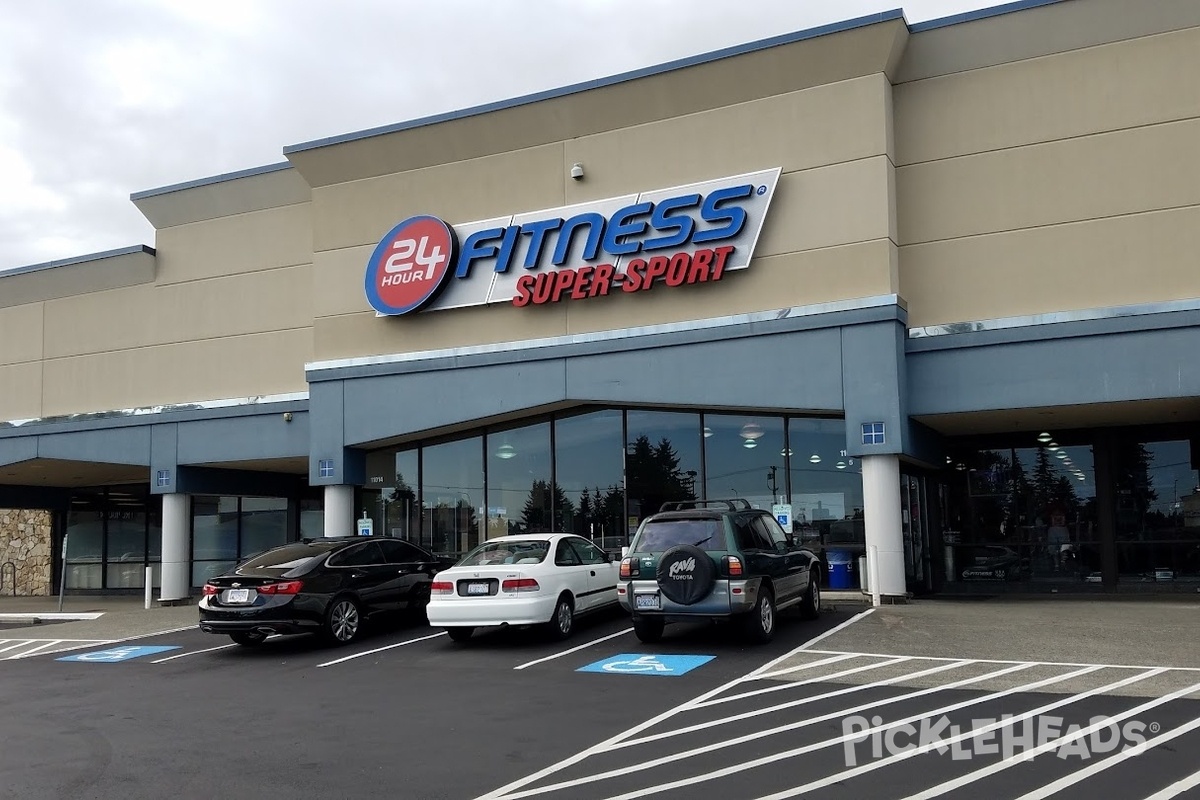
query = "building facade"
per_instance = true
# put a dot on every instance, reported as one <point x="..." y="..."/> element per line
<point x="932" y="288"/>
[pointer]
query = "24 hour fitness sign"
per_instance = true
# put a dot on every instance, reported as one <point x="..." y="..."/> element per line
<point x="671" y="237"/>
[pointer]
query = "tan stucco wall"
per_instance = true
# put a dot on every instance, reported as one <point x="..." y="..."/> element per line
<point x="1063" y="182"/>
<point x="830" y="233"/>
<point x="228" y="315"/>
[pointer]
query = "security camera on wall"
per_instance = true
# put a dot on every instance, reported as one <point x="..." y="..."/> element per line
<point x="577" y="171"/>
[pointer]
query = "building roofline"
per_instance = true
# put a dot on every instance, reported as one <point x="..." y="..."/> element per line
<point x="228" y="176"/>
<point x="598" y="83"/>
<point x="66" y="262"/>
<point x="979" y="13"/>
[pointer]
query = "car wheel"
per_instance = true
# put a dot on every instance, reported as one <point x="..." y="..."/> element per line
<point x="418" y="603"/>
<point x="343" y="621"/>
<point x="759" y="623"/>
<point x="248" y="638"/>
<point x="459" y="634"/>
<point x="562" y="622"/>
<point x="648" y="629"/>
<point x="810" y="606"/>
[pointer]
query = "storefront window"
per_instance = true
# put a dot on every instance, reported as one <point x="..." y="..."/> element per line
<point x="264" y="524"/>
<point x="589" y="466"/>
<point x="214" y="536"/>
<point x="520" y="497"/>
<point x="126" y="565"/>
<point x="452" y="496"/>
<point x="1158" y="512"/>
<point x="401" y="514"/>
<point x="826" y="486"/>
<point x="745" y="457"/>
<point x="662" y="461"/>
<point x="85" y="542"/>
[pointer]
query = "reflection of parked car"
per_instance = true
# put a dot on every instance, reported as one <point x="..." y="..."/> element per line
<point x="526" y="579"/>
<point x="325" y="586"/>
<point x="694" y="562"/>
<point x="994" y="563"/>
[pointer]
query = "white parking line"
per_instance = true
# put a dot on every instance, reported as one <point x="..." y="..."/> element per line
<point x="793" y="684"/>
<point x="381" y="649"/>
<point x="1035" y="663"/>
<point x="1087" y="772"/>
<point x="1053" y="744"/>
<point x="15" y="644"/>
<point x="1008" y="721"/>
<point x="751" y="737"/>
<point x="825" y="635"/>
<point x="576" y="649"/>
<point x="814" y="698"/>
<point x="582" y="755"/>
<point x="40" y="648"/>
<point x="1177" y="788"/>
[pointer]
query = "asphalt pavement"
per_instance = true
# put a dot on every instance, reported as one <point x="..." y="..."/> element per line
<point x="912" y="701"/>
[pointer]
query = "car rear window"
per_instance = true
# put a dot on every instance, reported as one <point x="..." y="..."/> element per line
<point x="285" y="559"/>
<point x="657" y="537"/>
<point x="531" y="551"/>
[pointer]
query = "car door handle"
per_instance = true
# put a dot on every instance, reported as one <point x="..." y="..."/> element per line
<point x="593" y="573"/>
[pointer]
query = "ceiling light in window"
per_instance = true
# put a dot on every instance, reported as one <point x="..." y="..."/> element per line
<point x="505" y="451"/>
<point x="749" y="444"/>
<point x="1045" y="437"/>
<point x="814" y="458"/>
<point x="752" y="430"/>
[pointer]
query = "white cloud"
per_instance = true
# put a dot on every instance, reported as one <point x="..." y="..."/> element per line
<point x="102" y="98"/>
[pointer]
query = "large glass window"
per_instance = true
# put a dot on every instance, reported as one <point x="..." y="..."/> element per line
<point x="826" y="485"/>
<point x="264" y="524"/>
<point x="452" y="496"/>
<point x="1158" y="512"/>
<point x="662" y="461"/>
<point x="402" y="515"/>
<point x="744" y="457"/>
<point x="520" y="497"/>
<point x="85" y="541"/>
<point x="126" y="565"/>
<point x="589" y="464"/>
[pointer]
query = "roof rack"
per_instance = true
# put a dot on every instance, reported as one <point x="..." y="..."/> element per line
<point x="732" y="505"/>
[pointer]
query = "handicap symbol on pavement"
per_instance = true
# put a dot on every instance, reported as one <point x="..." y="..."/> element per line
<point x="641" y="664"/>
<point x="116" y="654"/>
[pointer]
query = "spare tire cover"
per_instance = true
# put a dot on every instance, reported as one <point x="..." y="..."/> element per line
<point x="686" y="574"/>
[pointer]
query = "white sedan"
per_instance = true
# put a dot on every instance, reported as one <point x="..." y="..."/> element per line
<point x="532" y="579"/>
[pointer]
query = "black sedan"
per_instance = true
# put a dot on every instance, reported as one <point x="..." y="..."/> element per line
<point x="323" y="586"/>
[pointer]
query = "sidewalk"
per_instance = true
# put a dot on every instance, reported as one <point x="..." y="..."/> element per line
<point x="112" y="617"/>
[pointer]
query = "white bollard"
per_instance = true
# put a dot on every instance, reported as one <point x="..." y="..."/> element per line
<point x="873" y="572"/>
<point x="149" y="585"/>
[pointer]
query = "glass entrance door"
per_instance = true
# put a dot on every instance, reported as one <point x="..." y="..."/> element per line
<point x="915" y="530"/>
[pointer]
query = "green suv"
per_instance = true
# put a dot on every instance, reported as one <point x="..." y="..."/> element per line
<point x="692" y="561"/>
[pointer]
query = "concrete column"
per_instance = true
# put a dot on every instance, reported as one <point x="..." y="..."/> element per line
<point x="339" y="510"/>
<point x="881" y="516"/>
<point x="176" y="563"/>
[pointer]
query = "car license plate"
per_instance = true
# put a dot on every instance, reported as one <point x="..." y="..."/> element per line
<point x="646" y="602"/>
<point x="477" y="588"/>
<point x="237" y="596"/>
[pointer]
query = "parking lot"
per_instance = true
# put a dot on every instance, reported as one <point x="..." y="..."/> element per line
<point x="848" y="706"/>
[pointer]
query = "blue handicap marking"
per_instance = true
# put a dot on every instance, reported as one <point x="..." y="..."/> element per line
<point x="115" y="654"/>
<point x="641" y="664"/>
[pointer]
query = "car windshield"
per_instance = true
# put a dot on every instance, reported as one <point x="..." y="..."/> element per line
<point x="285" y="559"/>
<point x="526" y="551"/>
<point x="657" y="537"/>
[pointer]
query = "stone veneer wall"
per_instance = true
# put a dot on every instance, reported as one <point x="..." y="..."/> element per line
<point x="25" y="541"/>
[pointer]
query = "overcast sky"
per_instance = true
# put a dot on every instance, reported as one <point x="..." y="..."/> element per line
<point x="102" y="98"/>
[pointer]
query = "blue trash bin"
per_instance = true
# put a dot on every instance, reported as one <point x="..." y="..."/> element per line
<point x="841" y="569"/>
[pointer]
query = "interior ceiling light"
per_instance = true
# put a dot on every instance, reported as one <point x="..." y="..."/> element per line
<point x="786" y="452"/>
<point x="1053" y="447"/>
<point x="814" y="458"/>
<point x="841" y="465"/>
<point x="505" y="451"/>
<point x="1061" y="454"/>
<point x="752" y="430"/>
<point x="749" y="444"/>
<point x="1044" y="437"/>
<point x="707" y="432"/>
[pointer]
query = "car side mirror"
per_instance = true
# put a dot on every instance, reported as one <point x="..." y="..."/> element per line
<point x="791" y="539"/>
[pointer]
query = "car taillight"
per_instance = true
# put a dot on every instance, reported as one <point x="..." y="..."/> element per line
<point x="734" y="564"/>
<point x="626" y="568"/>
<point x="520" y="585"/>
<point x="441" y="587"/>
<point x="287" y="587"/>
<point x="210" y="590"/>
